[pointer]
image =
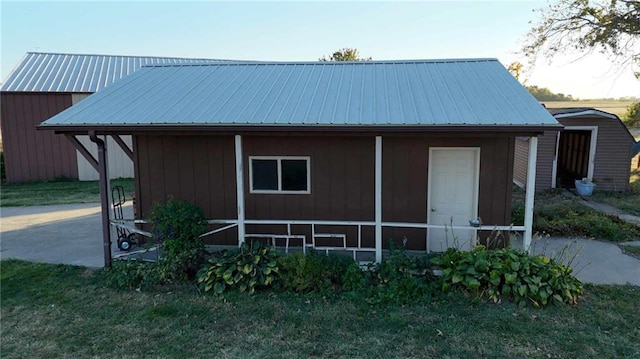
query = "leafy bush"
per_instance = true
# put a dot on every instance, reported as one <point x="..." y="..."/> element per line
<point x="250" y="267"/>
<point x="313" y="272"/>
<point x="177" y="226"/>
<point x="135" y="274"/>
<point x="509" y="273"/>
<point x="399" y="279"/>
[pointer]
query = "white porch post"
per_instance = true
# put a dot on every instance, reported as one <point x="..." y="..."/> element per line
<point x="240" y="189"/>
<point x="378" y="199"/>
<point x="531" y="189"/>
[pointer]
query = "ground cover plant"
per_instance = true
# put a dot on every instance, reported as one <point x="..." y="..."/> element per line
<point x="64" y="311"/>
<point x="60" y="191"/>
<point x="557" y="214"/>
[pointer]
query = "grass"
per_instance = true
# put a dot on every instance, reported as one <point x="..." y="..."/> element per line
<point x="56" y="192"/>
<point x="64" y="311"/>
<point x="633" y="251"/>
<point x="628" y="202"/>
<point x="557" y="214"/>
<point x="612" y="106"/>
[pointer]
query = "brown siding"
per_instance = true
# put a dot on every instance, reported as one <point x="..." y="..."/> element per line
<point x="32" y="155"/>
<point x="198" y="169"/>
<point x="613" y="152"/>
<point x="405" y="172"/>
<point x="544" y="165"/>
<point x="201" y="169"/>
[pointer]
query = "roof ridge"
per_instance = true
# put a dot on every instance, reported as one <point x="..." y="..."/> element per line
<point x="329" y="63"/>
<point x="112" y="55"/>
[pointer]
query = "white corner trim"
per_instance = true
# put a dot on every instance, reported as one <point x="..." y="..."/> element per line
<point x="378" y="199"/>
<point x="240" y="189"/>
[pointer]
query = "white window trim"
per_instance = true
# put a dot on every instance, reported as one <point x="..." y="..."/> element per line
<point x="279" y="162"/>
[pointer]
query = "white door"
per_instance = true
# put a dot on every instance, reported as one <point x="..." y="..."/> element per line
<point x="452" y="197"/>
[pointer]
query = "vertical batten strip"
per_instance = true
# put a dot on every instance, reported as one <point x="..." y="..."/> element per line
<point x="240" y="189"/>
<point x="531" y="188"/>
<point x="378" y="199"/>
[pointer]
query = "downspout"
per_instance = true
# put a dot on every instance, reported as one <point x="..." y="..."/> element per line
<point x="104" y="196"/>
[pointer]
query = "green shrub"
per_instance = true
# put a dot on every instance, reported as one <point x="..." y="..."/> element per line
<point x="313" y="272"/>
<point x="399" y="279"/>
<point x="177" y="226"/>
<point x="631" y="117"/>
<point x="247" y="268"/>
<point x="509" y="273"/>
<point x="135" y="274"/>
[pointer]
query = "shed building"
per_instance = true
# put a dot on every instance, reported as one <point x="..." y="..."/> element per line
<point x="44" y="84"/>
<point x="593" y="144"/>
<point x="330" y="155"/>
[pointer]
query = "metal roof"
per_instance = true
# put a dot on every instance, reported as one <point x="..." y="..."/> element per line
<point x="465" y="92"/>
<point x="53" y="72"/>
<point x="565" y="112"/>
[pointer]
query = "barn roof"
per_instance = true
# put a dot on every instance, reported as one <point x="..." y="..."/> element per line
<point x="464" y="92"/>
<point x="76" y="73"/>
<point x="575" y="112"/>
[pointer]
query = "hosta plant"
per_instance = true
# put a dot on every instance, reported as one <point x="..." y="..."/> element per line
<point x="509" y="273"/>
<point x="247" y="268"/>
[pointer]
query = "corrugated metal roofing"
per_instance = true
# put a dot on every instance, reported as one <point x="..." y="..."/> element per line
<point x="52" y="72"/>
<point x="373" y="93"/>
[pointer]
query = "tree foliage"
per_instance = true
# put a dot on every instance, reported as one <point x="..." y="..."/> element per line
<point x="609" y="26"/>
<point x="632" y="116"/>
<point x="544" y="94"/>
<point x="345" y="54"/>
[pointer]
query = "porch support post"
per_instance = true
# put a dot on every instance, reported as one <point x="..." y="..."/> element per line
<point x="378" y="197"/>
<point x="531" y="189"/>
<point x="104" y="196"/>
<point x="240" y="189"/>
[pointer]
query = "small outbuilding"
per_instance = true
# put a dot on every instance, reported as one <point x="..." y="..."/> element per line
<point x="44" y="84"/>
<point x="593" y="144"/>
<point x="330" y="155"/>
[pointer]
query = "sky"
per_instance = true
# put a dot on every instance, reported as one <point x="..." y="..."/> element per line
<point x="301" y="31"/>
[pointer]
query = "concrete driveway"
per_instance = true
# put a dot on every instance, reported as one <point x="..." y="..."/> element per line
<point x="71" y="234"/>
<point x="66" y="234"/>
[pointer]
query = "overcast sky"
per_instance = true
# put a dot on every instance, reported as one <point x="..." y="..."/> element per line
<point x="293" y="31"/>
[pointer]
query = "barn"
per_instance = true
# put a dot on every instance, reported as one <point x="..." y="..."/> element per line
<point x="593" y="144"/>
<point x="331" y="155"/>
<point x="44" y="84"/>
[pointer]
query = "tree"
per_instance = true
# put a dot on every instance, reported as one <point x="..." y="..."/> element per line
<point x="345" y="54"/>
<point x="516" y="69"/>
<point x="609" y="26"/>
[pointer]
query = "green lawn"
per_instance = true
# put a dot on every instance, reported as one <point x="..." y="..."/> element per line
<point x="62" y="311"/>
<point x="56" y="192"/>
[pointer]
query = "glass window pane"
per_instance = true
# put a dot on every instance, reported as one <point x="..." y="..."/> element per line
<point x="294" y="175"/>
<point x="265" y="174"/>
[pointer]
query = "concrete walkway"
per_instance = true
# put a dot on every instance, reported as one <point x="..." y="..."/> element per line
<point x="71" y="234"/>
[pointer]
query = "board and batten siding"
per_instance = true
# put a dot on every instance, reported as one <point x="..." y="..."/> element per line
<point x="120" y="165"/>
<point x="29" y="154"/>
<point x="201" y="169"/>
<point x="405" y="172"/>
<point x="198" y="169"/>
<point x="544" y="165"/>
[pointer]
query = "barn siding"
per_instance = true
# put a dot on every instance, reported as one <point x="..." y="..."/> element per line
<point x="613" y="152"/>
<point x="32" y="155"/>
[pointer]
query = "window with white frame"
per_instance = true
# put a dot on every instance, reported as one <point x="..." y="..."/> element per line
<point x="279" y="174"/>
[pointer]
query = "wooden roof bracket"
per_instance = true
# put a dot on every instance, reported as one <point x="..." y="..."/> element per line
<point x="83" y="151"/>
<point x="125" y="148"/>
